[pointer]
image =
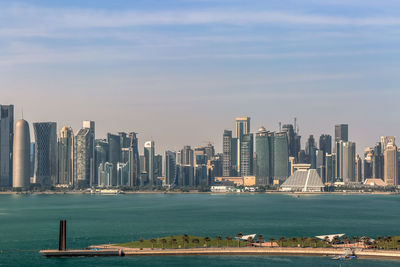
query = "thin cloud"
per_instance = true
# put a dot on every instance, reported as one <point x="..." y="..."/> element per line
<point x="97" y="18"/>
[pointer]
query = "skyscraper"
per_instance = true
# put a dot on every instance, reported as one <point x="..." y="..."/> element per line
<point x="114" y="152"/>
<point x="107" y="176"/>
<point x="133" y="161"/>
<point x="227" y="153"/>
<point x="246" y="156"/>
<point x="65" y="156"/>
<point x="391" y="164"/>
<point x="149" y="150"/>
<point x="32" y="159"/>
<point x="281" y="156"/>
<point x="348" y="153"/>
<point x="325" y="144"/>
<point x="122" y="174"/>
<point x="170" y="168"/>
<point x="263" y="157"/>
<point x="6" y="144"/>
<point x="341" y="136"/>
<point x="310" y="145"/>
<point x="82" y="158"/>
<point x="330" y="162"/>
<point x="289" y="130"/>
<point x="91" y="126"/>
<point x="45" y="153"/>
<point x="378" y="161"/>
<point x="242" y="128"/>
<point x="341" y="132"/>
<point x="187" y="156"/>
<point x="157" y="166"/>
<point x="21" y="155"/>
<point x="100" y="156"/>
<point x="368" y="155"/>
<point x="358" y="169"/>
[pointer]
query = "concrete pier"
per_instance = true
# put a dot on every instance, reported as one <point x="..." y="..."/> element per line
<point x="111" y="250"/>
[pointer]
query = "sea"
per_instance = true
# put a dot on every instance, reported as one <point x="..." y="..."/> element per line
<point x="29" y="223"/>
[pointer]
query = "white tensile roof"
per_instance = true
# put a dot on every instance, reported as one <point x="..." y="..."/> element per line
<point x="330" y="237"/>
<point x="304" y="180"/>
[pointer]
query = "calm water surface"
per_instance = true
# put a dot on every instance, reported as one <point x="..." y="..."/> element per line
<point x="30" y="223"/>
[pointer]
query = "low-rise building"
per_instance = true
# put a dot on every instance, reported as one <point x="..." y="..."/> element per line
<point x="238" y="181"/>
<point x="222" y="189"/>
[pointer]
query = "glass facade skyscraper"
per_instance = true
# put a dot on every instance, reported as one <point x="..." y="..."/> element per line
<point x="6" y="144"/>
<point x="227" y="153"/>
<point x="242" y="128"/>
<point x="45" y="153"/>
<point x="263" y="157"/>
<point x="246" y="155"/>
<point x="82" y="158"/>
<point x="65" y="156"/>
<point x="170" y="168"/>
<point x="281" y="156"/>
<point x="133" y="160"/>
<point x="149" y="161"/>
<point x="341" y="132"/>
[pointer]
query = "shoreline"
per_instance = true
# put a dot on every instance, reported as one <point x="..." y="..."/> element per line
<point x="210" y="193"/>
<point x="110" y="250"/>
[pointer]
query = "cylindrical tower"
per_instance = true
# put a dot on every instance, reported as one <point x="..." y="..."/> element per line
<point x="21" y="160"/>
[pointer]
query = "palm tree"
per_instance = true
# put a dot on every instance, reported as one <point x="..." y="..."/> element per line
<point x="335" y="239"/>
<point x="228" y="239"/>
<point x="141" y="243"/>
<point x="281" y="239"/>
<point x="387" y="240"/>
<point x="378" y="240"/>
<point x="219" y="238"/>
<point x="185" y="241"/>
<point x="271" y="240"/>
<point x="195" y="241"/>
<point x="294" y="240"/>
<point x="239" y="236"/>
<point x="326" y="240"/>
<point x="163" y="242"/>
<point x="206" y="240"/>
<point x="152" y="243"/>
<point x="302" y="240"/>
<point x="250" y="240"/>
<point x="260" y="239"/>
<point x="173" y="241"/>
<point x="355" y="239"/>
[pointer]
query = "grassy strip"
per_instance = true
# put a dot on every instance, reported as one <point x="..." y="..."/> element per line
<point x="183" y="242"/>
<point x="187" y="241"/>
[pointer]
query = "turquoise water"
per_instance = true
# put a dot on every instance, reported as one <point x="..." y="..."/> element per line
<point x="29" y="223"/>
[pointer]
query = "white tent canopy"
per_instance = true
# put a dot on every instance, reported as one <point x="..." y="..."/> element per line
<point x="330" y="237"/>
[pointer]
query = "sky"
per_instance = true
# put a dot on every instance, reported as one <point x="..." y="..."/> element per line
<point x="179" y="71"/>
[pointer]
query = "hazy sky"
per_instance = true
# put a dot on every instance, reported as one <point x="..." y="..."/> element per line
<point x="180" y="71"/>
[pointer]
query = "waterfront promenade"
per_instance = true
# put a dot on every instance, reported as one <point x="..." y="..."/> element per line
<point x="113" y="250"/>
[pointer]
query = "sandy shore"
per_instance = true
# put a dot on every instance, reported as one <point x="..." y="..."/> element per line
<point x="293" y="251"/>
<point x="213" y="193"/>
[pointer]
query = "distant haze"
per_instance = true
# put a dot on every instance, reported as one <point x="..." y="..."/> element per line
<point x="179" y="71"/>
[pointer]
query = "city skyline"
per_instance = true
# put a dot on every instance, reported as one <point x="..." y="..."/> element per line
<point x="218" y="141"/>
<point x="263" y="158"/>
<point x="188" y="67"/>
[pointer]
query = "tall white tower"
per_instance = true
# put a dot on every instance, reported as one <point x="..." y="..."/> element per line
<point x="21" y="154"/>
